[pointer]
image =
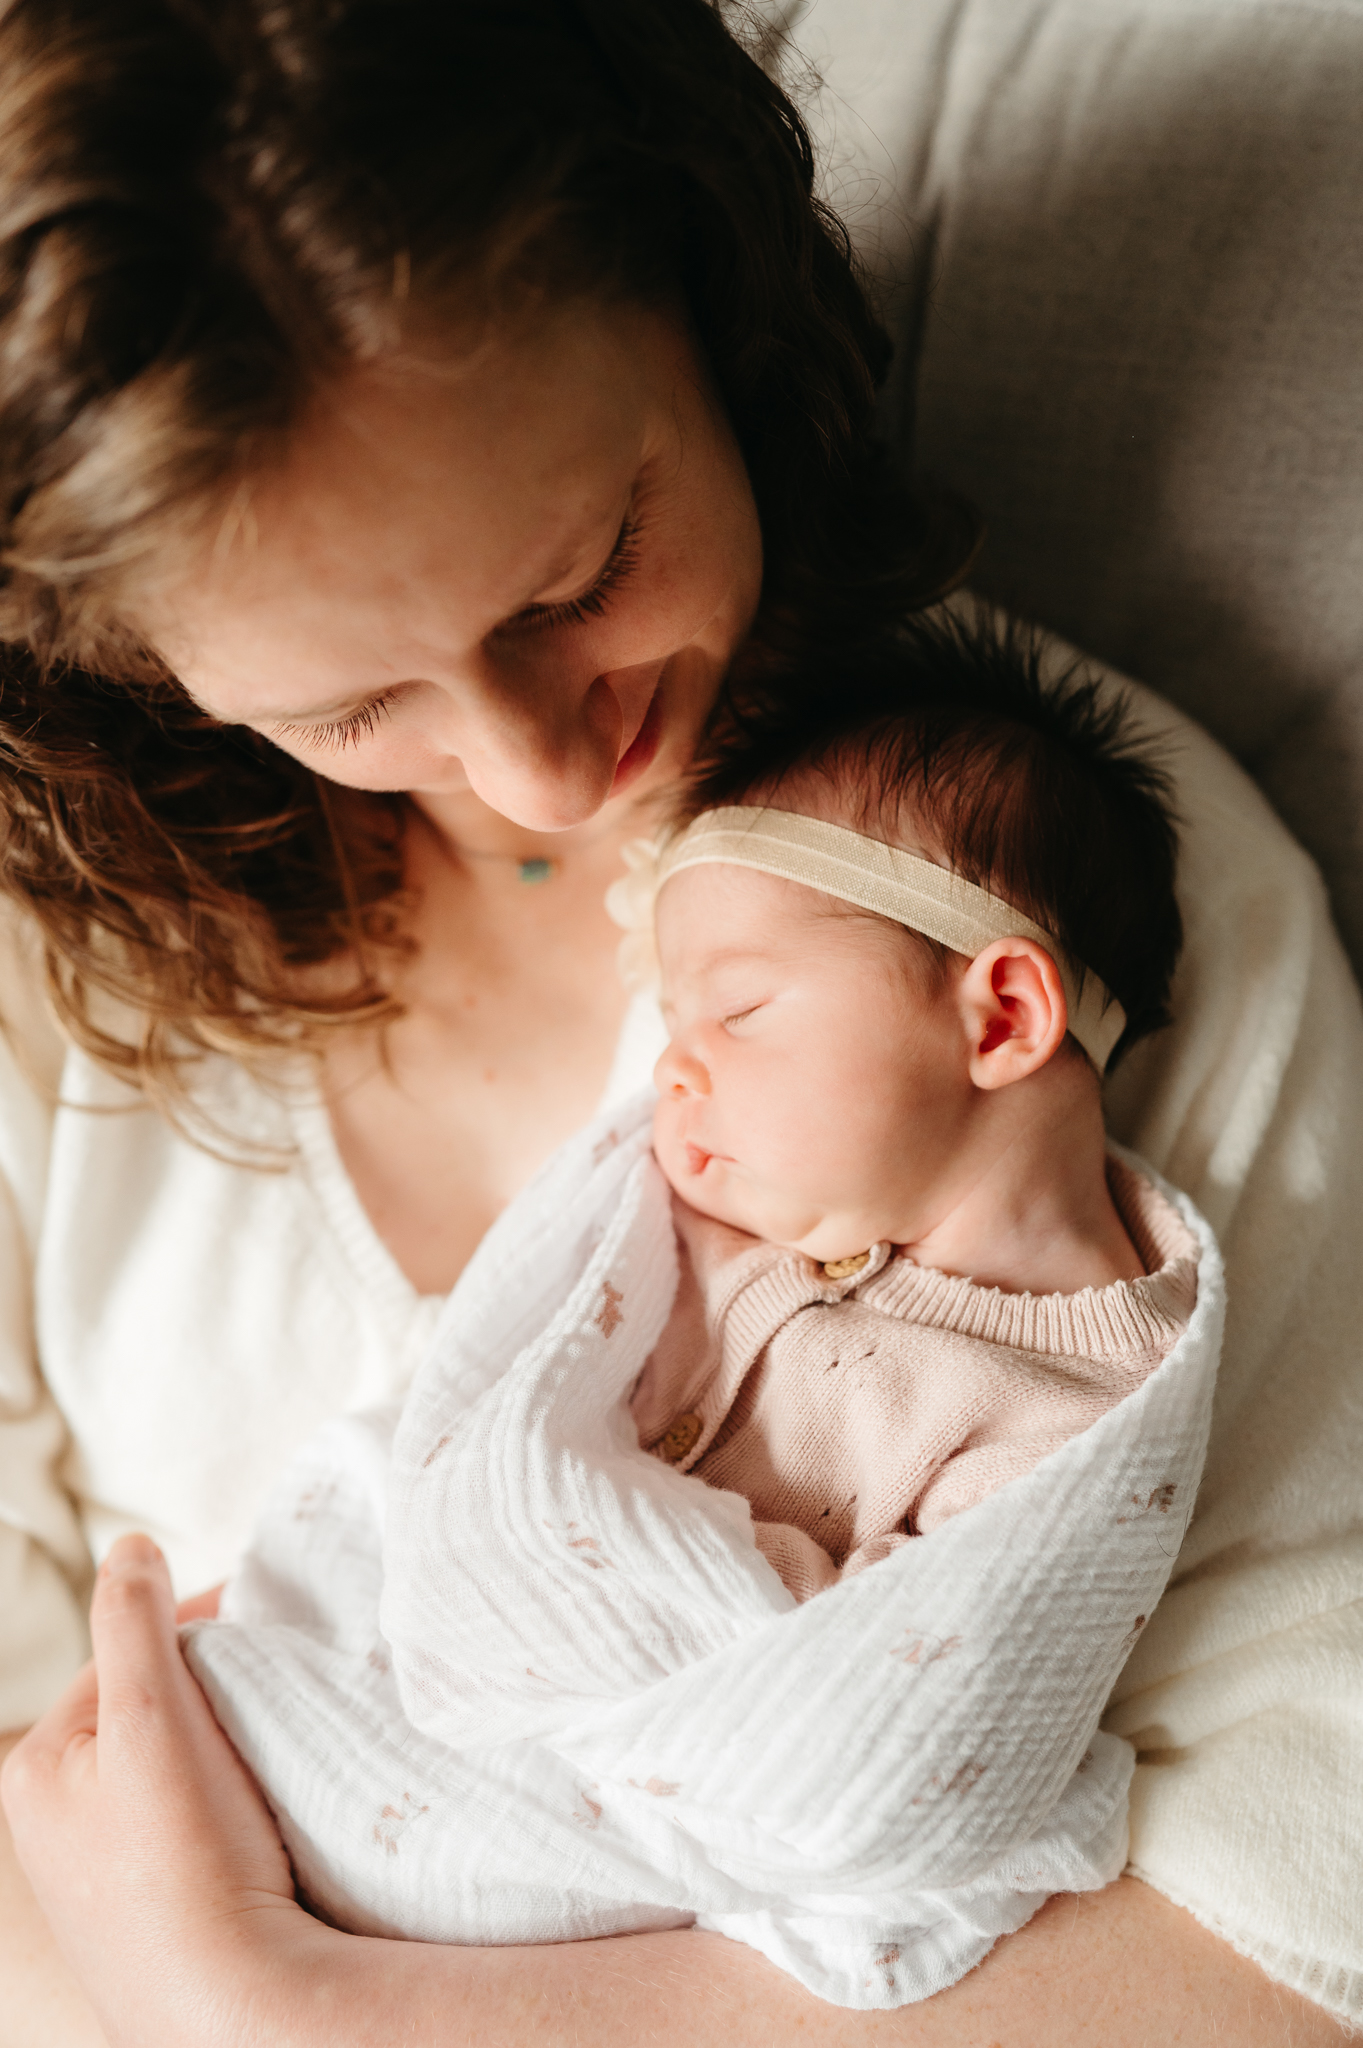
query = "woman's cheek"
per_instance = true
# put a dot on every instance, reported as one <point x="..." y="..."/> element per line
<point x="385" y="763"/>
<point x="661" y="623"/>
<point x="704" y="594"/>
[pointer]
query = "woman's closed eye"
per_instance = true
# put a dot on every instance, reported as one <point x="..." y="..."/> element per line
<point x="574" y="611"/>
<point x="335" y="735"/>
<point x="339" y="733"/>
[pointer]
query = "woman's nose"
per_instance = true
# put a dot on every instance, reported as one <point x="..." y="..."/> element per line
<point x="679" y="1073"/>
<point x="541" y="750"/>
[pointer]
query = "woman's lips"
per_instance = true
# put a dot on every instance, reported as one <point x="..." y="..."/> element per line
<point x="638" y="755"/>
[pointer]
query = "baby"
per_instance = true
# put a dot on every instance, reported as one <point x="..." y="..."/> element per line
<point x="507" y="1669"/>
<point x="891" y="1081"/>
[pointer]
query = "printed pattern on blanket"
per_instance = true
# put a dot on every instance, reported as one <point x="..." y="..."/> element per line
<point x="506" y="1678"/>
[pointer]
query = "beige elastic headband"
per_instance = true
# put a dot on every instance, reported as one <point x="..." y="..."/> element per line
<point x="899" y="885"/>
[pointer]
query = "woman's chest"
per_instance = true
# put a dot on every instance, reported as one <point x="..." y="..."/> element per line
<point x="503" y="1050"/>
<point x="197" y="1319"/>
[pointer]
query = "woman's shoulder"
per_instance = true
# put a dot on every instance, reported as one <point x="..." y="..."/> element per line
<point x="32" y="1060"/>
<point x="31" y="1036"/>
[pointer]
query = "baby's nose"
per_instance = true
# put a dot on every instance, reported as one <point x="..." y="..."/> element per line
<point x="679" y="1073"/>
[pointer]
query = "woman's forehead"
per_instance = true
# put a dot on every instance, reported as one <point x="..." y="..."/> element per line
<point x="513" y="441"/>
<point x="534" y="395"/>
<point x="468" y="486"/>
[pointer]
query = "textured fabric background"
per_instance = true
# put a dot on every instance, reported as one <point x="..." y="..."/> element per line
<point x="1120" y="240"/>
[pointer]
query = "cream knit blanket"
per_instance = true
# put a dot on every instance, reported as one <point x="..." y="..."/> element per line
<point x="506" y="1678"/>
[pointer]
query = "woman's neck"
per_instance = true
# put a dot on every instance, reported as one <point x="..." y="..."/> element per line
<point x="510" y="1013"/>
<point x="470" y="831"/>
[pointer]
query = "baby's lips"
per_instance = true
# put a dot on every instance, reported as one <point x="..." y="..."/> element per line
<point x="696" y="1159"/>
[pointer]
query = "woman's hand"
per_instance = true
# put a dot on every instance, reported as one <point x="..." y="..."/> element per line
<point x="146" y="1842"/>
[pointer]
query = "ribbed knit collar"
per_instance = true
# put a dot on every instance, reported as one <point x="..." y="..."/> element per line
<point x="762" y="1285"/>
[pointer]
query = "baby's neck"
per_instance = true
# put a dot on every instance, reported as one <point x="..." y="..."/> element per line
<point x="1031" y="1212"/>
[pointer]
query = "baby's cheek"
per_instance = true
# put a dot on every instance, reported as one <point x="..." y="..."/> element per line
<point x="666" y="1145"/>
<point x="668" y="1149"/>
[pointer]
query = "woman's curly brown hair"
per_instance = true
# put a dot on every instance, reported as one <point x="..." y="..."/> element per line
<point x="206" y="207"/>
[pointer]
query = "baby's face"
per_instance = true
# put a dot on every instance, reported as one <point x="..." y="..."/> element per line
<point x="817" y="1079"/>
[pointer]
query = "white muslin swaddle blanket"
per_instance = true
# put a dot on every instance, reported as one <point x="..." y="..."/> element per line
<point x="504" y="1677"/>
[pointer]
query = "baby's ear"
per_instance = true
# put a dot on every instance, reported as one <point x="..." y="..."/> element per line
<point x="1013" y="1004"/>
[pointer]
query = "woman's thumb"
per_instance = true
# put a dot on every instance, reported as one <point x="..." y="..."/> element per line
<point x="132" y="1625"/>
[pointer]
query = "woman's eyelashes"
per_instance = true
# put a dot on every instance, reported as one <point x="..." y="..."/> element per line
<point x="575" y="611"/>
<point x="341" y="733"/>
<point x="337" y="734"/>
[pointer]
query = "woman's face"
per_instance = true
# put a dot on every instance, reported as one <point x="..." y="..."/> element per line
<point x="519" y="568"/>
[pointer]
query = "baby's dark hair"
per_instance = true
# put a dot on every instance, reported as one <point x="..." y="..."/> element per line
<point x="1033" y="785"/>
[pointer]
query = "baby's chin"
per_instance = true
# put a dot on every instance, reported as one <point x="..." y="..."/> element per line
<point x="707" y="1185"/>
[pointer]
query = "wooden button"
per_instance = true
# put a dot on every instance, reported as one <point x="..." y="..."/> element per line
<point x="680" y="1438"/>
<point x="843" y="1269"/>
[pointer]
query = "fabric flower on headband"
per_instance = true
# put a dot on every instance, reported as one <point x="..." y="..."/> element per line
<point x="630" y="903"/>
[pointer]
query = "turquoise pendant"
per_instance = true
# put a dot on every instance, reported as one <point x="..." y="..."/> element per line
<point x="537" y="870"/>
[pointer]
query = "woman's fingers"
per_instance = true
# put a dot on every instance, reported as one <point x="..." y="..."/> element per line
<point x="73" y="1719"/>
<point x="132" y="1617"/>
<point x="133" y="1627"/>
<point x="154" y="1722"/>
<point x="40" y="1771"/>
<point x="145" y="1691"/>
<point x="148" y="1845"/>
